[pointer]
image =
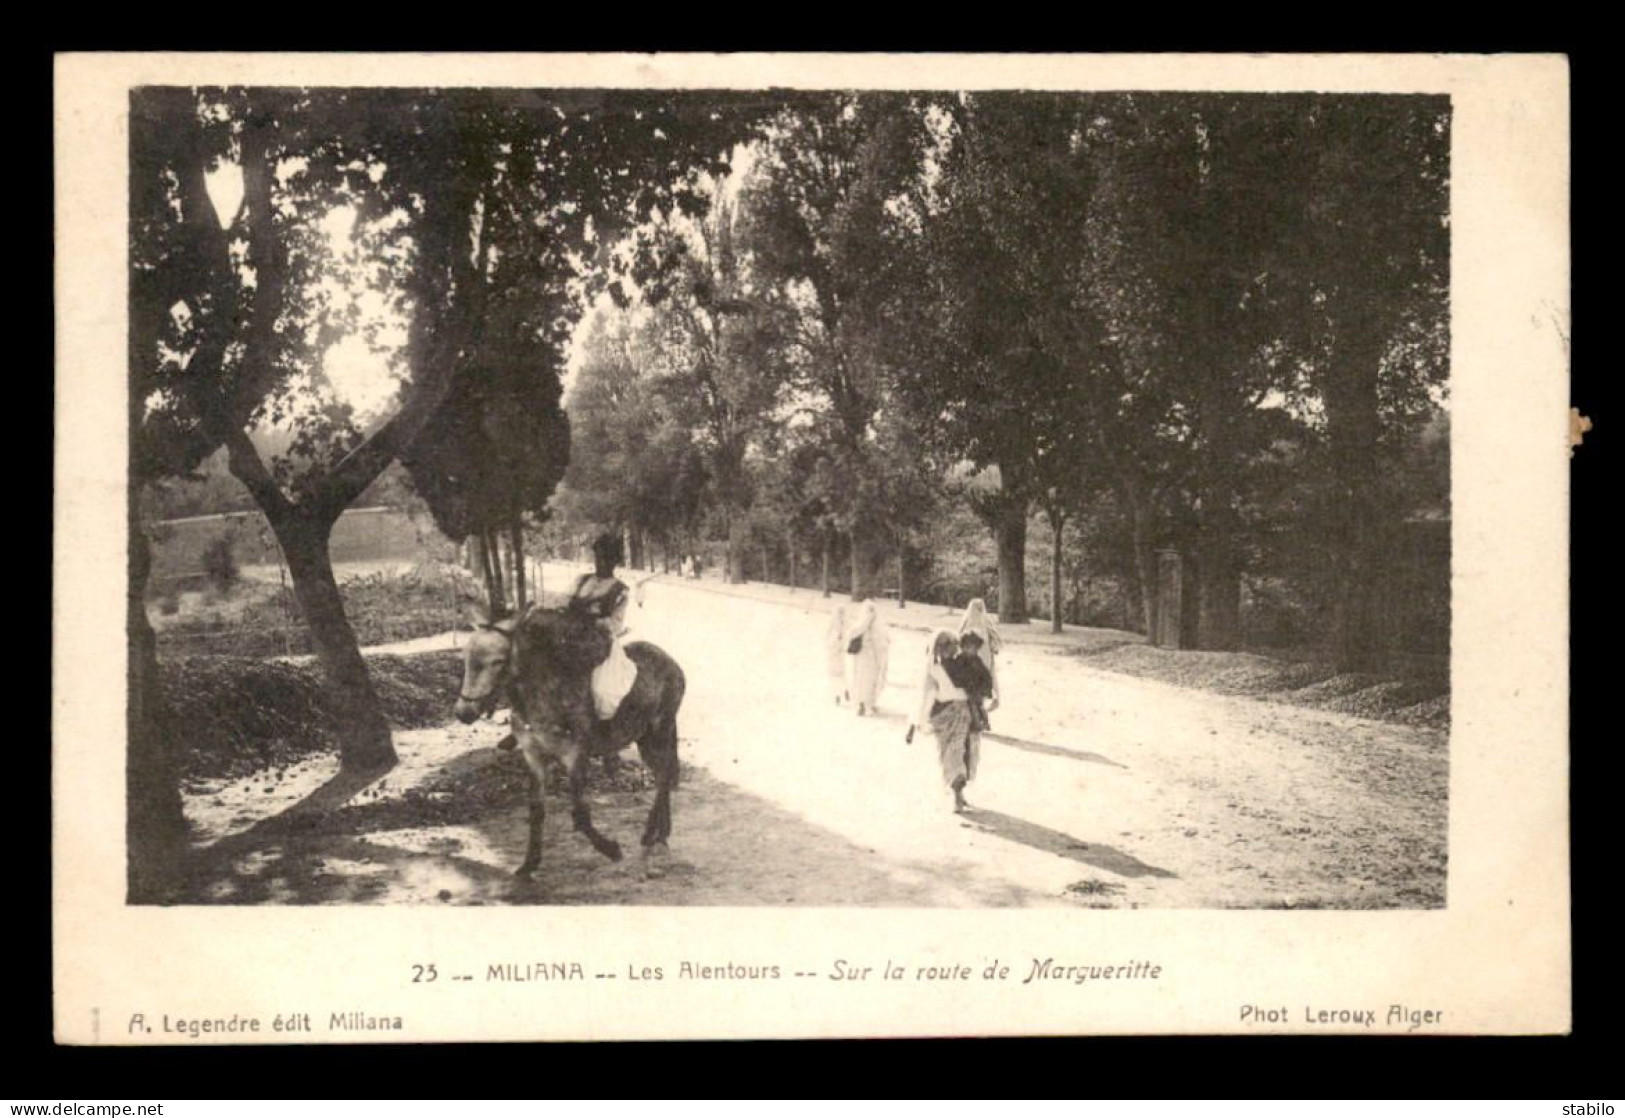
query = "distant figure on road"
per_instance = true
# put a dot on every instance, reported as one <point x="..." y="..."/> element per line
<point x="976" y="621"/>
<point x="945" y="707"/>
<point x="868" y="644"/>
<point x="835" y="643"/>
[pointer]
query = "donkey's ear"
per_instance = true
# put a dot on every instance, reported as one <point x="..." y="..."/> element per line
<point x="505" y="626"/>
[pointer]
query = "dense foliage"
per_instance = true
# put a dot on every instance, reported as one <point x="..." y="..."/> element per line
<point x="1216" y="324"/>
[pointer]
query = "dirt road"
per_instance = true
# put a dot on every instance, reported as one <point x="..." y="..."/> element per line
<point x="1097" y="790"/>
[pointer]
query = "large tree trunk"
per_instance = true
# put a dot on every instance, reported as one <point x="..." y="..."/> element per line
<point x="520" y="574"/>
<point x="736" y="550"/>
<point x="482" y="550"/>
<point x="1218" y="574"/>
<point x="1009" y="520"/>
<point x="1218" y="567"/>
<point x="829" y="548"/>
<point x="1057" y="525"/>
<point x="862" y="566"/>
<point x="902" y="576"/>
<point x="1352" y="425"/>
<point x="496" y="579"/>
<point x="1145" y="571"/>
<point x="364" y="740"/>
<point x="1357" y="630"/>
<point x="1143" y="586"/>
<point x="154" y="826"/>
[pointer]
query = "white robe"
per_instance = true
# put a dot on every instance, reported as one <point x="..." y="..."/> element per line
<point x="835" y="654"/>
<point x="612" y="680"/>
<point x="869" y="663"/>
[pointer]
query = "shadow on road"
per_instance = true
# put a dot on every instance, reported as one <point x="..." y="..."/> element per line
<point x="1052" y="750"/>
<point x="1015" y="743"/>
<point x="319" y="868"/>
<point x="1063" y="845"/>
<point x="306" y="816"/>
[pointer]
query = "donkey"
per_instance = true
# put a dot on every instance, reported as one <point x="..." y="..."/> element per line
<point x="487" y="669"/>
<point x="544" y="662"/>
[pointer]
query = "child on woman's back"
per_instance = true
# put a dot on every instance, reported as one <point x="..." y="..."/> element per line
<point x="970" y="674"/>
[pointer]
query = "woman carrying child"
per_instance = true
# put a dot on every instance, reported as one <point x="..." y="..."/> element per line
<point x="953" y="680"/>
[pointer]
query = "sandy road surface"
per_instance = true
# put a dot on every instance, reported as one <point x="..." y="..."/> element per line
<point x="1097" y="789"/>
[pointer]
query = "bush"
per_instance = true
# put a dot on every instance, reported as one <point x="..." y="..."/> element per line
<point x="1277" y="614"/>
<point x="386" y="607"/>
<point x="220" y="561"/>
<point x="233" y="715"/>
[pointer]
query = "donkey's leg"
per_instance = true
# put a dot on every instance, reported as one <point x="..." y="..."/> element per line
<point x="533" y="843"/>
<point x="658" y="749"/>
<point x="608" y="847"/>
<point x="536" y="792"/>
<point x="658" y="825"/>
<point x="668" y="749"/>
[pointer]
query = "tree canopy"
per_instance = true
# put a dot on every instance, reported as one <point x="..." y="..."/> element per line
<point x="447" y="230"/>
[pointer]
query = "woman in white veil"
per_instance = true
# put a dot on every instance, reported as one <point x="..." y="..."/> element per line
<point x="868" y="646"/>
<point x="835" y="654"/>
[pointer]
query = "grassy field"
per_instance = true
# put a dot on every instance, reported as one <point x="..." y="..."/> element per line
<point x="259" y="617"/>
<point x="380" y="535"/>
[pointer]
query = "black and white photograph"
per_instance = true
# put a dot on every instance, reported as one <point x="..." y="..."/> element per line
<point x="648" y="496"/>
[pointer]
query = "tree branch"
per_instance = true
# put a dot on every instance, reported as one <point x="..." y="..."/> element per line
<point x="434" y="379"/>
<point x="247" y="467"/>
<point x="268" y="256"/>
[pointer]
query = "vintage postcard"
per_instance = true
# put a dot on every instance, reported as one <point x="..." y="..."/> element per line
<point x="768" y="546"/>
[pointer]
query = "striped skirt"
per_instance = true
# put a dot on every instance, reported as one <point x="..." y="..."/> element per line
<point x="959" y="746"/>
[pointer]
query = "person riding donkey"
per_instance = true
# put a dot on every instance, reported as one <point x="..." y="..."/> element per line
<point x="603" y="597"/>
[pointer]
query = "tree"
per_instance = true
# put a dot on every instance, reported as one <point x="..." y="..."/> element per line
<point x="170" y="259"/>
<point x="822" y="225"/>
<point x="634" y="463"/>
<point x="1001" y="351"/>
<point x="493" y="455"/>
<point x="426" y="174"/>
<point x="1376" y="256"/>
<point x="709" y="356"/>
<point x="1197" y="231"/>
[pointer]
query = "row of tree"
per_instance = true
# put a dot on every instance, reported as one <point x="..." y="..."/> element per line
<point x="1215" y="322"/>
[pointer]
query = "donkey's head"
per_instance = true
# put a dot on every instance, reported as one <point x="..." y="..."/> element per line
<point x="487" y="667"/>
